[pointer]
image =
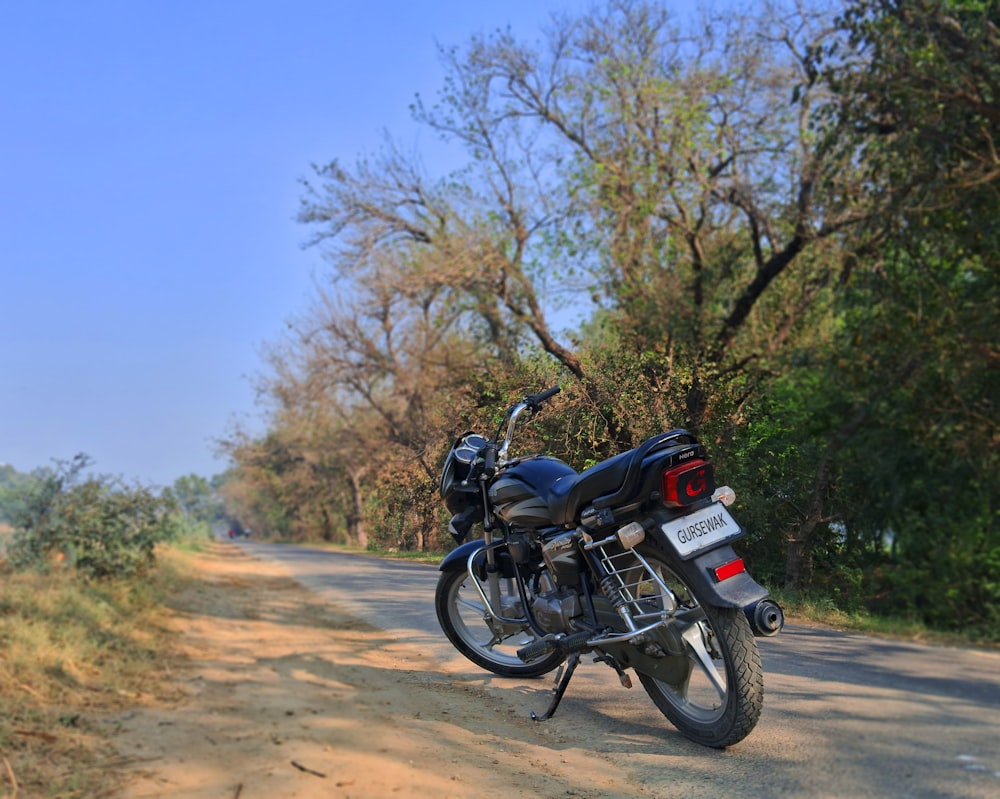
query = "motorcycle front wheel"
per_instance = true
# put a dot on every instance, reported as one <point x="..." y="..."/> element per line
<point x="715" y="697"/>
<point x="482" y="639"/>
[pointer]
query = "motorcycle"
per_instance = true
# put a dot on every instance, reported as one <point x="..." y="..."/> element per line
<point x="630" y="561"/>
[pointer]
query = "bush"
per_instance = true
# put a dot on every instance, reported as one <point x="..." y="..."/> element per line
<point x="97" y="525"/>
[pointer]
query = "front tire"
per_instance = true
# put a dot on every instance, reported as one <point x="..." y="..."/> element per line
<point x="716" y="698"/>
<point x="483" y="640"/>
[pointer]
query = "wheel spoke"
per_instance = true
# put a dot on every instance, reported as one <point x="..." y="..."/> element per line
<point x="486" y="641"/>
<point x="468" y="603"/>
<point x="694" y="637"/>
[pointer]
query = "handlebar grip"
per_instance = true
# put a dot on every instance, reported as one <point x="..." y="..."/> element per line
<point x="534" y="400"/>
<point x="490" y="458"/>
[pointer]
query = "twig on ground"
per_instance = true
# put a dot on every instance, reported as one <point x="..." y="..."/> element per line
<point x="13" y="779"/>
<point x="48" y="737"/>
<point x="29" y="689"/>
<point x="300" y="767"/>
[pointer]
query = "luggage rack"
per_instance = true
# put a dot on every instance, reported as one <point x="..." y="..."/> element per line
<point x="627" y="573"/>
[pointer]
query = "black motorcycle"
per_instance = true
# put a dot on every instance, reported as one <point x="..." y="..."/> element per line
<point x="629" y="561"/>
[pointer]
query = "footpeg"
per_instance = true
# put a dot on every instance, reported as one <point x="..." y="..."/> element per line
<point x="578" y="642"/>
<point x="539" y="649"/>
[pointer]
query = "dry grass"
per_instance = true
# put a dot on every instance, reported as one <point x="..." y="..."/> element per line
<point x="71" y="655"/>
<point x="6" y="532"/>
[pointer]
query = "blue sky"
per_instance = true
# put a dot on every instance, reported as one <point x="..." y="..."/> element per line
<point x="150" y="158"/>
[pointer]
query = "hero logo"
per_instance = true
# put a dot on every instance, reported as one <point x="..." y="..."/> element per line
<point x="697" y="484"/>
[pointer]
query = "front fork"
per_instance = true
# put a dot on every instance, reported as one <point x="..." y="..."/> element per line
<point x="482" y="561"/>
<point x="492" y="577"/>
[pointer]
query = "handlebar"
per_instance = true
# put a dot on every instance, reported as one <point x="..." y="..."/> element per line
<point x="533" y="402"/>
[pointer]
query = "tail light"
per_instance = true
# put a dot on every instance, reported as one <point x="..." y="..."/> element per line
<point x="686" y="484"/>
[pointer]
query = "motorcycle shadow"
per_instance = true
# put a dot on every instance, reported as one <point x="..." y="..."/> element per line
<point x="596" y="713"/>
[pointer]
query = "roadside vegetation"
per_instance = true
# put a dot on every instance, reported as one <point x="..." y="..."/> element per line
<point x="75" y="655"/>
<point x="87" y="566"/>
<point x="779" y="230"/>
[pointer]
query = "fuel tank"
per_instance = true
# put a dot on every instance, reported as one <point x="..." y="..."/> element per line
<point x="520" y="494"/>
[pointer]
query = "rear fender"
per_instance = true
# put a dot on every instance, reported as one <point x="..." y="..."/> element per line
<point x="738" y="591"/>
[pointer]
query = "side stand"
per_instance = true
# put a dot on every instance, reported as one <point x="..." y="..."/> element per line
<point x="562" y="680"/>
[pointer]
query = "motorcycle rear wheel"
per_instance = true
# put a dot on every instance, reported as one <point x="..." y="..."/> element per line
<point x="483" y="640"/>
<point x="718" y="696"/>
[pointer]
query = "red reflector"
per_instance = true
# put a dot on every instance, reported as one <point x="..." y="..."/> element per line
<point x="727" y="570"/>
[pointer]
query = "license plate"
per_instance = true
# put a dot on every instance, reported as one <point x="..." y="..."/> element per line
<point x="702" y="529"/>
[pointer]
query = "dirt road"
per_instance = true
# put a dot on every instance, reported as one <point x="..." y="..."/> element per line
<point x="287" y="694"/>
<point x="286" y="697"/>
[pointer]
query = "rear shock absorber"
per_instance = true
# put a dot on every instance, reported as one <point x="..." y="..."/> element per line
<point x="615" y="589"/>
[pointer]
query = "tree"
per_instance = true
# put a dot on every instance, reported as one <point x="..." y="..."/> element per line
<point x="752" y="216"/>
<point x="10" y="479"/>
<point x="672" y="176"/>
<point x="362" y="398"/>
<point x="196" y="499"/>
<point x="915" y="358"/>
<point x="692" y="172"/>
<point x="918" y="84"/>
<point x="672" y="172"/>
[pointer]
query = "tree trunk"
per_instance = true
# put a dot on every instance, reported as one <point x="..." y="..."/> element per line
<point x="356" y="529"/>
<point x="798" y="559"/>
<point x="798" y="556"/>
<point x="327" y="525"/>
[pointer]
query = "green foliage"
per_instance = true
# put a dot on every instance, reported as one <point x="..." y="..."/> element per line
<point x="918" y="101"/>
<point x="780" y="236"/>
<point x="394" y="511"/>
<point x="10" y="480"/>
<point x="196" y="499"/>
<point x="97" y="525"/>
<point x="961" y="558"/>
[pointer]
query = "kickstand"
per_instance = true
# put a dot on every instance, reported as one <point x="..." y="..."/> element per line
<point x="562" y="680"/>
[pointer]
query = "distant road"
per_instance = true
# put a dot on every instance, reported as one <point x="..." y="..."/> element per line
<point x="845" y="715"/>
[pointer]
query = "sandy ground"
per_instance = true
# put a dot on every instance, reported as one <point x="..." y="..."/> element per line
<point x="278" y="694"/>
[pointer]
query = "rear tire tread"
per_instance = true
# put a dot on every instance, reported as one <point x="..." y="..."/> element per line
<point x="745" y="699"/>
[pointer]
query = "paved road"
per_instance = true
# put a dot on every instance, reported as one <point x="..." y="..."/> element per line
<point x="845" y="715"/>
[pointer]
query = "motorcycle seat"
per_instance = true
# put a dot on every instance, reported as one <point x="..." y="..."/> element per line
<point x="609" y="482"/>
<point x="568" y="494"/>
